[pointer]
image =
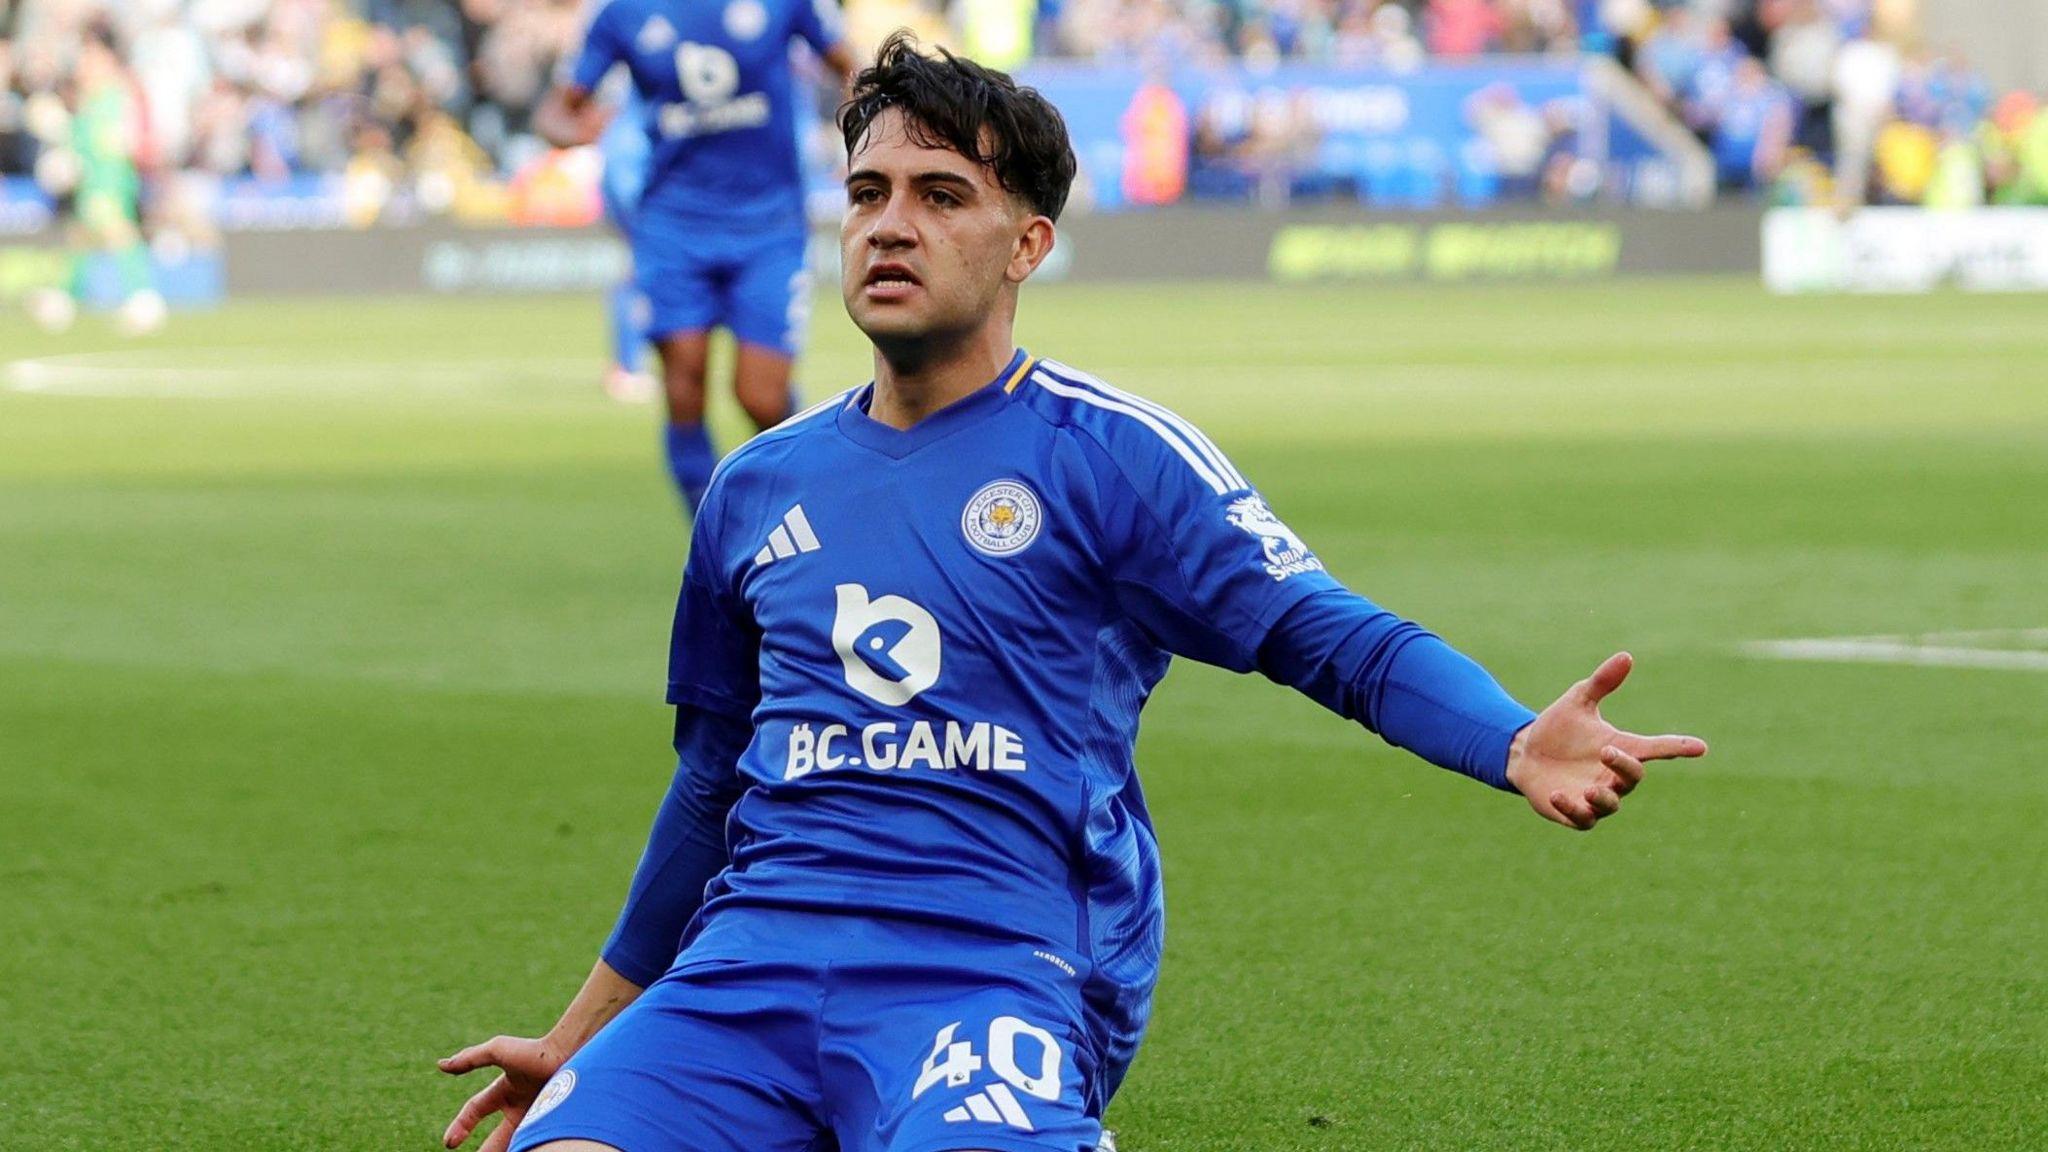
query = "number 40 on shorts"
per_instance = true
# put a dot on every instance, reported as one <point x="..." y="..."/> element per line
<point x="1022" y="1056"/>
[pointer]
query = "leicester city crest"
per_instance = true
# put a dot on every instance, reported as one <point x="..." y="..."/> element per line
<point x="556" y="1091"/>
<point x="1003" y="518"/>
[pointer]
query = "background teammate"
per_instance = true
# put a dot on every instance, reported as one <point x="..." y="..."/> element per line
<point x="719" y="234"/>
<point x="906" y="854"/>
<point x="625" y="150"/>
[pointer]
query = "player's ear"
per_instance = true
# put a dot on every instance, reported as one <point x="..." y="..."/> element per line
<point x="1034" y="244"/>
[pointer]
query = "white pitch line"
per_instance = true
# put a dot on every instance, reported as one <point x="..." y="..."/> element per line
<point x="1916" y="652"/>
<point x="133" y="374"/>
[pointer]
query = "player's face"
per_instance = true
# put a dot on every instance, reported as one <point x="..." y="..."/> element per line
<point x="930" y="240"/>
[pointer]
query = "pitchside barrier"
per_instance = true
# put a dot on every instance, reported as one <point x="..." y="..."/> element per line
<point x="1180" y="244"/>
<point x="1906" y="250"/>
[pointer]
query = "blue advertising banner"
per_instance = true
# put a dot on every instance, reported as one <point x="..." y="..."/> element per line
<point x="1473" y="134"/>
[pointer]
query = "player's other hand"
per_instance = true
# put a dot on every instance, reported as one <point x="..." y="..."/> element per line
<point x="1573" y="766"/>
<point x="523" y="1067"/>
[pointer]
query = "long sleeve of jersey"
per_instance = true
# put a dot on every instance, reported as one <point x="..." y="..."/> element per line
<point x="1205" y="567"/>
<point x="713" y="680"/>
<point x="685" y="849"/>
<point x="1398" y="679"/>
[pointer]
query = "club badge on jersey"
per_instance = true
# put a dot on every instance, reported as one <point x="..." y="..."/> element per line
<point x="1002" y="519"/>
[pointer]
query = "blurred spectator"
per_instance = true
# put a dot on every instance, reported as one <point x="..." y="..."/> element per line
<point x="2016" y="150"/>
<point x="1804" y="41"/>
<point x="1753" y="130"/>
<point x="1670" y="57"/>
<point x="1517" y="137"/>
<point x="17" y="143"/>
<point x="1378" y="34"/>
<point x="1865" y="85"/>
<point x="1155" y="132"/>
<point x="1459" y="28"/>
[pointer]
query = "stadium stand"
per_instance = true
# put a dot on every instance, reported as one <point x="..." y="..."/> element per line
<point x="423" y="107"/>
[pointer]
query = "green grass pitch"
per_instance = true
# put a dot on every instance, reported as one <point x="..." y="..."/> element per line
<point x="331" y="638"/>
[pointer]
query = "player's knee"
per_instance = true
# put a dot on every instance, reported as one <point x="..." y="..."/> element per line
<point x="767" y="411"/>
<point x="574" y="1146"/>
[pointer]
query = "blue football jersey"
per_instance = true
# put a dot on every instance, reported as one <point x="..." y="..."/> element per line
<point x="717" y="91"/>
<point x="943" y="637"/>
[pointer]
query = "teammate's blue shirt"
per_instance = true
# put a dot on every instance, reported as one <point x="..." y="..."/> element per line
<point x="715" y="82"/>
<point x="934" y="644"/>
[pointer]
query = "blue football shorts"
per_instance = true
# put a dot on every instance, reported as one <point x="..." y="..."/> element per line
<point x="793" y="1032"/>
<point x="695" y="278"/>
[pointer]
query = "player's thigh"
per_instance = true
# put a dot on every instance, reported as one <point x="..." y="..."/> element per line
<point x="716" y="1058"/>
<point x="576" y="1146"/>
<point x="768" y="300"/>
<point x="681" y="281"/>
<point x="953" y="1060"/>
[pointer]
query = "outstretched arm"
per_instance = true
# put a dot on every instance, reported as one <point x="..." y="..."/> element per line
<point x="1399" y="680"/>
<point x="569" y="116"/>
<point x="684" y="851"/>
<point x="1366" y="664"/>
<point x="1210" y="572"/>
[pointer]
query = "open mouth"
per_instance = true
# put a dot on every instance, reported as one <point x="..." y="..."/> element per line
<point x="890" y="276"/>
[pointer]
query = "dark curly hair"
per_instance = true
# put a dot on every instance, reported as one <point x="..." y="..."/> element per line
<point x="953" y="103"/>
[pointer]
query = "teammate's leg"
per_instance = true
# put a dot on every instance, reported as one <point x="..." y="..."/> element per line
<point x="761" y="381"/>
<point x="682" y="281"/>
<point x="627" y="316"/>
<point x="768" y="307"/>
<point x="685" y="442"/>
<point x="626" y="307"/>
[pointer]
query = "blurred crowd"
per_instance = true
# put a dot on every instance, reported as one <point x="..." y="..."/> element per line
<point x="437" y="93"/>
<point x="1835" y="102"/>
<point x="429" y="102"/>
<point x="1356" y="33"/>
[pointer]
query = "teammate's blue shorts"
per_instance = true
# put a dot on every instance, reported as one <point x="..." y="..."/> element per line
<point x="753" y="284"/>
<point x="795" y="1032"/>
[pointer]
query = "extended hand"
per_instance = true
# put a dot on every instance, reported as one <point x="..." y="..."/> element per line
<point x="1575" y="767"/>
<point x="524" y="1066"/>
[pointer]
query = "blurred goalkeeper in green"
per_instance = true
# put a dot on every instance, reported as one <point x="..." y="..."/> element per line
<point x="105" y="192"/>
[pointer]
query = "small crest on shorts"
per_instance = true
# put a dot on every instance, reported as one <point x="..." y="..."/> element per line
<point x="552" y="1094"/>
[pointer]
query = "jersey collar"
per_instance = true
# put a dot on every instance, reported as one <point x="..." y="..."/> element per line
<point x="896" y="443"/>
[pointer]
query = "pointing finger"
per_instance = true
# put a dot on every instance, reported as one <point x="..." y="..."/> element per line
<point x="1606" y="678"/>
<point x="1662" y="747"/>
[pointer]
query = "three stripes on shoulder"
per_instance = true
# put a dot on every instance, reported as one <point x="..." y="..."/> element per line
<point x="792" y="536"/>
